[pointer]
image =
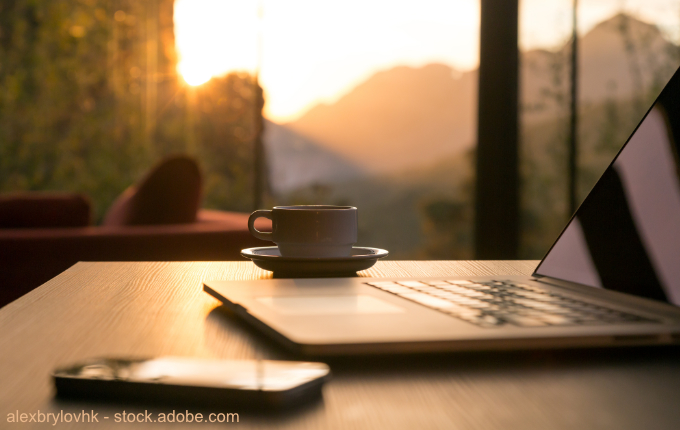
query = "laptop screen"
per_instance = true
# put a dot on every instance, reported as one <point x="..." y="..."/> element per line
<point x="625" y="236"/>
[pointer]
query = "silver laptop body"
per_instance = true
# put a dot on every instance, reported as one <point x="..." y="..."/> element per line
<point x="341" y="316"/>
<point x="611" y="278"/>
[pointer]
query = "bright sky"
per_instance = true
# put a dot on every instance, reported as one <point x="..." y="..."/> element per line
<point x="315" y="51"/>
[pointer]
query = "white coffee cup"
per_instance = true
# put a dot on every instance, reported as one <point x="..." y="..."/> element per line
<point x="309" y="231"/>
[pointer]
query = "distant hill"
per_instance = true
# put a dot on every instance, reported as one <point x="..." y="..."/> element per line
<point x="405" y="117"/>
<point x="619" y="58"/>
<point x="295" y="161"/>
<point x="397" y="118"/>
<point x="391" y="206"/>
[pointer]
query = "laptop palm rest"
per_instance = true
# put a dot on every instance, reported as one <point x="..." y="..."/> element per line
<point x="329" y="305"/>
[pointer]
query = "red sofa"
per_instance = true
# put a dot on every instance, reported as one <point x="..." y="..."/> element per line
<point x="43" y="234"/>
<point x="30" y="257"/>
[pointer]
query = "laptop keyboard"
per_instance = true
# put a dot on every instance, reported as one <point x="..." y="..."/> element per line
<point x="498" y="303"/>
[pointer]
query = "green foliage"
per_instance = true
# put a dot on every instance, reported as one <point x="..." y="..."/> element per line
<point x="603" y="129"/>
<point x="405" y="213"/>
<point x="446" y="228"/>
<point x="90" y="100"/>
<point x="62" y="127"/>
<point x="227" y="123"/>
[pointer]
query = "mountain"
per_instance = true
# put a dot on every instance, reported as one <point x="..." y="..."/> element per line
<point x="295" y="161"/>
<point x="397" y="118"/>
<point x="392" y="207"/>
<point x="405" y="117"/>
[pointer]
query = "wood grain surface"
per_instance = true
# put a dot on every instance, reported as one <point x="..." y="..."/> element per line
<point x="158" y="308"/>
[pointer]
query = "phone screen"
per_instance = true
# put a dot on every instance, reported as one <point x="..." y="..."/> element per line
<point x="256" y="375"/>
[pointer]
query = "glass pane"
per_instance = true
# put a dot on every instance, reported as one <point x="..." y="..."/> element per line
<point x="367" y="102"/>
<point x="627" y="52"/>
<point x="370" y="103"/>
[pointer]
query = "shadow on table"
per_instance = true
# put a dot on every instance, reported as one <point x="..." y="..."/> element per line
<point x="229" y="336"/>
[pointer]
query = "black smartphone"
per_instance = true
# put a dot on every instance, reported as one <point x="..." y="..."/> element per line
<point x="192" y="381"/>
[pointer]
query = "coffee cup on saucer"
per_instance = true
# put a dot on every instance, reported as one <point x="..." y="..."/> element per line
<point x="316" y="231"/>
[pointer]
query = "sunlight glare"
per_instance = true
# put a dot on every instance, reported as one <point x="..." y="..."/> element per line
<point x="193" y="73"/>
<point x="214" y="37"/>
<point x="315" y="52"/>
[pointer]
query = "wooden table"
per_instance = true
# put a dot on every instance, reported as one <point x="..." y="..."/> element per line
<point x="149" y="309"/>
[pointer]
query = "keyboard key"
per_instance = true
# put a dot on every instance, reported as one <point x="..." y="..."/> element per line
<point x="478" y="287"/>
<point x="398" y="289"/>
<point x="428" y="290"/>
<point x="531" y="295"/>
<point x="454" y="290"/>
<point x="539" y="305"/>
<point x="443" y="294"/>
<point x="473" y="293"/>
<point x="413" y="284"/>
<point x="437" y="283"/>
<point x="467" y="301"/>
<point x="480" y="305"/>
<point x="534" y="288"/>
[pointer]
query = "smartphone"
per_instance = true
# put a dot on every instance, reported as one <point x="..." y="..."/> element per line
<point x="193" y="381"/>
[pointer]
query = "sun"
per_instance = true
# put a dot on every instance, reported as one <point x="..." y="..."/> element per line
<point x="215" y="37"/>
<point x="194" y="74"/>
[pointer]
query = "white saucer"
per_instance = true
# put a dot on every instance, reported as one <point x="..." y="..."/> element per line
<point x="269" y="258"/>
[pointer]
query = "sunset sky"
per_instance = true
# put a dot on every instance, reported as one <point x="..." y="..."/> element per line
<point x="315" y="51"/>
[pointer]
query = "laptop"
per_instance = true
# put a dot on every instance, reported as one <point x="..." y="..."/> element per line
<point x="611" y="278"/>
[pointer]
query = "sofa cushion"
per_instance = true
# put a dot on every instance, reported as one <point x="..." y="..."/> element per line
<point x="44" y="210"/>
<point x="169" y="194"/>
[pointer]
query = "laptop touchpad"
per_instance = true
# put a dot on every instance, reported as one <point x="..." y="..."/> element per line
<point x="329" y="305"/>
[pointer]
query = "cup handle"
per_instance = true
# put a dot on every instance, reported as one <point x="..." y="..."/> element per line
<point x="260" y="213"/>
